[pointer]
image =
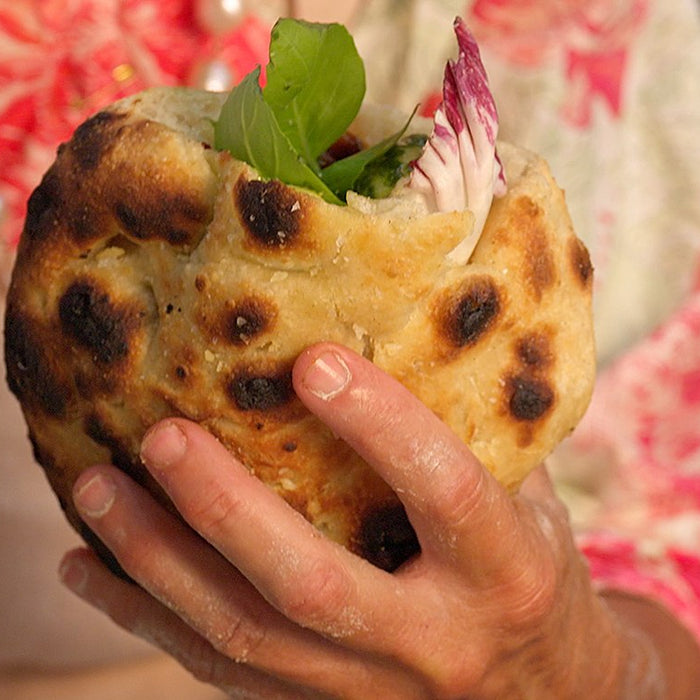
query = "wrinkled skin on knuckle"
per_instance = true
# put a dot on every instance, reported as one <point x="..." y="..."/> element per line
<point x="546" y="571"/>
<point x="527" y="592"/>
<point x="531" y="596"/>
<point x="461" y="506"/>
<point x="528" y="612"/>
<point x="210" y="517"/>
<point x="319" y="599"/>
<point x="240" y="640"/>
<point x="496" y="662"/>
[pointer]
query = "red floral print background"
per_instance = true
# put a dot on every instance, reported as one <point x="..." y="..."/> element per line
<point x="62" y="60"/>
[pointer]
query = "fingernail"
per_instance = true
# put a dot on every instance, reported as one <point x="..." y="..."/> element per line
<point x="327" y="376"/>
<point x="163" y="445"/>
<point x="96" y="497"/>
<point x="73" y="574"/>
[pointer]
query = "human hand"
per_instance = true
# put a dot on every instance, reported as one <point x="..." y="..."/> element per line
<point x="498" y="603"/>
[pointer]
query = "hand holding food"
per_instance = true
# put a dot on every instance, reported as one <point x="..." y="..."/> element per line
<point x="498" y="604"/>
<point x="175" y="266"/>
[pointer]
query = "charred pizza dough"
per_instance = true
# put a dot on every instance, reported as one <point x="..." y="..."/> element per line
<point x="157" y="276"/>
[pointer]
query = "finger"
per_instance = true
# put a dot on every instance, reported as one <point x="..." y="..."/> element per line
<point x="191" y="578"/>
<point x="449" y="497"/>
<point x="135" y="611"/>
<point x="243" y="519"/>
<point x="309" y="579"/>
<point x="207" y="592"/>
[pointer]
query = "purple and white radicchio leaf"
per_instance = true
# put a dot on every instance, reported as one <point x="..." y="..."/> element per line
<point x="459" y="167"/>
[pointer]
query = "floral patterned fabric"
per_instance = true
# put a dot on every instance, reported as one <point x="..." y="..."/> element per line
<point x="60" y="61"/>
<point x="608" y="91"/>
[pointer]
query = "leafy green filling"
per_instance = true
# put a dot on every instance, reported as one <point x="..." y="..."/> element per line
<point x="380" y="176"/>
<point x="315" y="87"/>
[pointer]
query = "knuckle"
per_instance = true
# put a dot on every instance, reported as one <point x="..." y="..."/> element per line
<point x="211" y="516"/>
<point x="536" y="573"/>
<point x="463" y="502"/>
<point x="539" y="594"/>
<point x="241" y="639"/>
<point x="320" y="598"/>
<point x="531" y="594"/>
<point x="547" y="572"/>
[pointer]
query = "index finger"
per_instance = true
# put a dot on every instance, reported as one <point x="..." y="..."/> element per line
<point x="448" y="495"/>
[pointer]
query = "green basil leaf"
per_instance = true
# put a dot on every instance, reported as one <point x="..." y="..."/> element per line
<point x="315" y="83"/>
<point x="247" y="128"/>
<point x="342" y="175"/>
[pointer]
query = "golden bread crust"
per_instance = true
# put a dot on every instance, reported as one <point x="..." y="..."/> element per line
<point x="159" y="277"/>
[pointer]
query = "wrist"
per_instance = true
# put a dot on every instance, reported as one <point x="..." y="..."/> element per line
<point x="638" y="671"/>
<point x="611" y="657"/>
<point x="658" y="657"/>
